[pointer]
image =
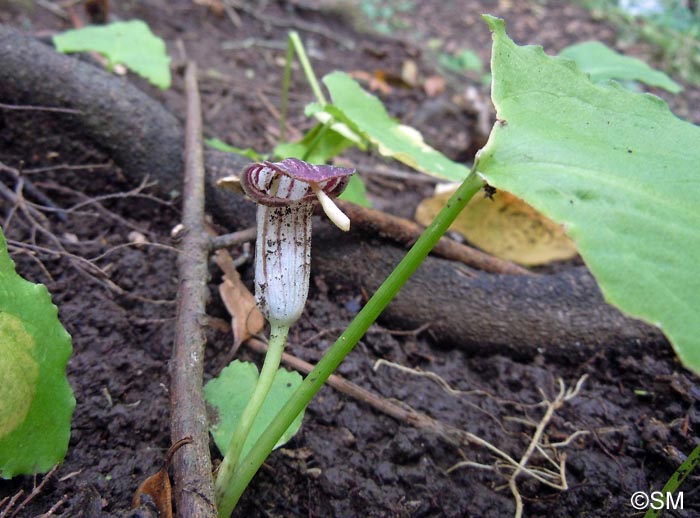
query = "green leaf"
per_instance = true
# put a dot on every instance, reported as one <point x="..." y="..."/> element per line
<point x="223" y="146"/>
<point x="338" y="121"/>
<point x="403" y="143"/>
<point x="36" y="401"/>
<point x="229" y="394"/>
<point x="617" y="169"/>
<point x="326" y="143"/>
<point x="356" y="192"/>
<point x="465" y="61"/>
<point x="131" y="44"/>
<point x="602" y="63"/>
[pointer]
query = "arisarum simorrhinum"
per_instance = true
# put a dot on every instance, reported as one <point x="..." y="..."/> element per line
<point x="286" y="192"/>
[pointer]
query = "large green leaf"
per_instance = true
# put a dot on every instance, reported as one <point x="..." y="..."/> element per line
<point x="131" y="44"/>
<point x="392" y="139"/>
<point x="602" y="63"/>
<point x="229" y="394"/>
<point x="36" y="402"/>
<point x="618" y="169"/>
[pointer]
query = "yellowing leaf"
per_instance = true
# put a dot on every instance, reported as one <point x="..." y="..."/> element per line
<point x="19" y="374"/>
<point x="506" y="227"/>
<point x="36" y="401"/>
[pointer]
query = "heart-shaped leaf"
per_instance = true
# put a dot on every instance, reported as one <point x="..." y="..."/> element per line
<point x="618" y="169"/>
<point x="131" y="44"/>
<point x="228" y="395"/>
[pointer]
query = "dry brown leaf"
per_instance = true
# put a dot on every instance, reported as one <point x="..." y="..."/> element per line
<point x="375" y="81"/>
<point x="434" y="85"/>
<point x="246" y="319"/>
<point x="215" y="6"/>
<point x="230" y="183"/>
<point x="157" y="486"/>
<point x="505" y="227"/>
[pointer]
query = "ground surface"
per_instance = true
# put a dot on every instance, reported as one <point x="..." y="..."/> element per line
<point x="637" y="415"/>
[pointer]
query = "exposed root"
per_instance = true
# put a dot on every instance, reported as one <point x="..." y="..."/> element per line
<point x="553" y="476"/>
<point x="426" y="374"/>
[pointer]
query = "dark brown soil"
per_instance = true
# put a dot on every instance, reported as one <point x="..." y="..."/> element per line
<point x="638" y="415"/>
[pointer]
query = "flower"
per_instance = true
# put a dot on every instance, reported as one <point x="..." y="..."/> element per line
<point x="286" y="192"/>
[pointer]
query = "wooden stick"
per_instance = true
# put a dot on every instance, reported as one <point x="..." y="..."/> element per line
<point x="194" y="485"/>
<point x="407" y="232"/>
<point x="449" y="434"/>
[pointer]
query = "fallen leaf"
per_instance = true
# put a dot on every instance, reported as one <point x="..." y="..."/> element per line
<point x="504" y="226"/>
<point x="157" y="486"/>
<point x="434" y="85"/>
<point x="246" y="319"/>
<point x="375" y="81"/>
<point x="230" y="183"/>
<point x="215" y="6"/>
<point x="409" y="73"/>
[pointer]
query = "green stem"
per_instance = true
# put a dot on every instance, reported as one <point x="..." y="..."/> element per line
<point x="330" y="361"/>
<point x="285" y="89"/>
<point x="278" y="337"/>
<point x="306" y="66"/>
<point x="317" y="138"/>
<point x="678" y="477"/>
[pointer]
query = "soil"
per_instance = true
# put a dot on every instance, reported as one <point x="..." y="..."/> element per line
<point x="632" y="421"/>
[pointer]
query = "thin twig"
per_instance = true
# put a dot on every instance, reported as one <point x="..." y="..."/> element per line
<point x="28" y="186"/>
<point x="149" y="244"/>
<point x="16" y="198"/>
<point x="194" y="485"/>
<point x="11" y="503"/>
<point x="102" y="211"/>
<point x="66" y="167"/>
<point x="89" y="270"/>
<point x="25" y="107"/>
<point x="37" y="489"/>
<point x="33" y="257"/>
<point x="54" y="507"/>
<point x="232" y="14"/>
<point x="233" y="239"/>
